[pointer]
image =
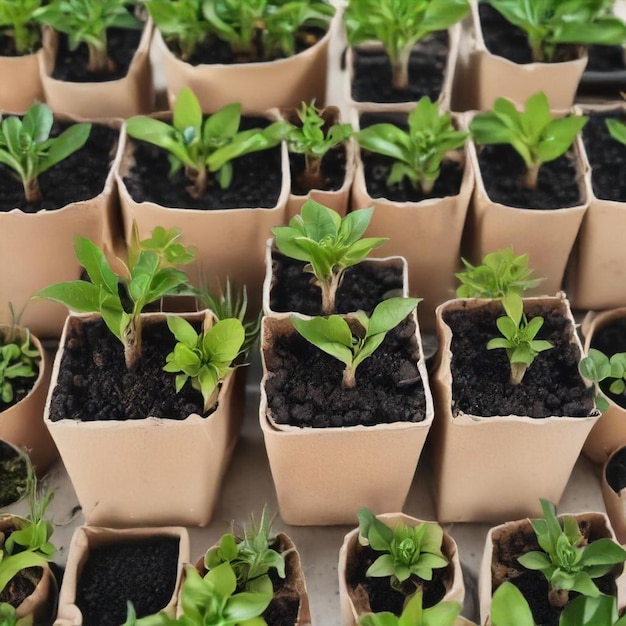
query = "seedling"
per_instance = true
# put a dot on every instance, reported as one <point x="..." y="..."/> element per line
<point x="120" y="298"/>
<point x="87" y="21"/>
<point x="202" y="145"/>
<point x="328" y="243"/>
<point x="352" y="344"/>
<point x="399" y="26"/>
<point x="18" y="359"/>
<point x="550" y="23"/>
<point x="204" y="358"/>
<point x="533" y="133"/>
<point x="27" y="148"/>
<point x="8" y="616"/>
<point x="616" y="129"/>
<point x="596" y="366"/>
<point x="17" y="20"/>
<point x="418" y="153"/>
<point x="566" y="560"/>
<point x="310" y="139"/>
<point x="500" y="273"/>
<point x="518" y="337"/>
<point x="413" y="614"/>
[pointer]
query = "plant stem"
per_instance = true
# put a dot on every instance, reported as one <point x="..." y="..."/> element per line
<point x="99" y="62"/>
<point x="531" y="176"/>
<point x="400" y="70"/>
<point x="349" y="378"/>
<point x="536" y="50"/>
<point x="329" y="292"/>
<point x="517" y="372"/>
<point x="199" y="179"/>
<point x="311" y="178"/>
<point x="132" y="344"/>
<point x="32" y="192"/>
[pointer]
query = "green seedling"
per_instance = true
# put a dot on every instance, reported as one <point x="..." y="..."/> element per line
<point x="598" y="611"/>
<point x="18" y="359"/>
<point x="567" y="561"/>
<point x="27" y="148"/>
<point x="518" y="337"/>
<point x="87" y="21"/>
<point x="204" y="358"/>
<point x="310" y="138"/>
<point x="550" y="23"/>
<point x="328" y="243"/>
<point x="616" y="129"/>
<point x="500" y="273"/>
<point x="399" y="26"/>
<point x="419" y="152"/>
<point x="149" y="275"/>
<point x="352" y="344"/>
<point x="8" y="616"/>
<point x="204" y="146"/>
<point x="18" y="21"/>
<point x="598" y="367"/>
<point x="533" y="133"/>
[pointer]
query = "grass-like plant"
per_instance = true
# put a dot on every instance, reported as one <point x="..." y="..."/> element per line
<point x="18" y="359"/>
<point x="18" y="21"/>
<point x="419" y="152"/>
<point x="598" y="367"/>
<point x="533" y="133"/>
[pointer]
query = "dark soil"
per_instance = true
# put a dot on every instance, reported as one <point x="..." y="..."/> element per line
<point x="122" y="43"/>
<point x="7" y="46"/>
<point x="427" y="65"/>
<point x="605" y="59"/>
<point x="94" y="383"/>
<point x="21" y="586"/>
<point x="143" y="572"/>
<point x="13" y="474"/>
<point x="257" y="179"/>
<point x="506" y="40"/>
<point x="304" y="386"/>
<point x="363" y="287"/>
<point x="333" y="171"/>
<point x="611" y="339"/>
<point x="606" y="155"/>
<point x="503" y="169"/>
<point x="79" y="177"/>
<point x="616" y="471"/>
<point x="551" y="386"/>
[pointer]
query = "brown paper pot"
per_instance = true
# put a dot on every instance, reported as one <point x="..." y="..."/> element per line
<point x="547" y="236"/>
<point x="614" y="494"/>
<point x="495" y="468"/>
<point x="88" y="537"/>
<point x="497" y="77"/>
<point x="323" y="476"/>
<point x="21" y="84"/>
<point x="164" y="471"/>
<point x="355" y="602"/>
<point x="124" y="97"/>
<point x="22" y="424"/>
<point x="48" y="236"/>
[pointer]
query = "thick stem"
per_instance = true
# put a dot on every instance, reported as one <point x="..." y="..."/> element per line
<point x="20" y="37"/>
<point x="349" y="378"/>
<point x="400" y="71"/>
<point x="32" y="193"/>
<point x="531" y="176"/>
<point x="517" y="372"/>
<point x="536" y="49"/>
<point x="558" y="597"/>
<point x="199" y="179"/>
<point x="427" y="183"/>
<point x="132" y="344"/>
<point x="329" y="292"/>
<point x="99" y="62"/>
<point x="311" y="178"/>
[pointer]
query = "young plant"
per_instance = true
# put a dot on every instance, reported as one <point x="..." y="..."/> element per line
<point x="27" y="148"/>
<point x="550" y="23"/>
<point x="418" y="153"/>
<point x="598" y="367"/>
<point x="353" y="344"/>
<point x="566" y="560"/>
<point x="87" y="21"/>
<point x="18" y="359"/>
<point x="533" y="133"/>
<point x="328" y="243"/>
<point x="518" y="337"/>
<point x="18" y="21"/>
<point x="204" y="358"/>
<point x="410" y="553"/>
<point x="399" y="26"/>
<point x="310" y="139"/>
<point x="8" y="616"/>
<point x="120" y="298"/>
<point x="500" y="272"/>
<point x="413" y="614"/>
<point x="616" y="129"/>
<point x="204" y="146"/>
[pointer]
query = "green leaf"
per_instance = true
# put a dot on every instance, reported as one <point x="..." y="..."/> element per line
<point x="224" y="340"/>
<point x="187" y="111"/>
<point x="182" y="330"/>
<point x="95" y="263"/>
<point x="77" y="295"/>
<point x="509" y="607"/>
<point x="389" y="313"/>
<point x="331" y="335"/>
<point x="68" y="142"/>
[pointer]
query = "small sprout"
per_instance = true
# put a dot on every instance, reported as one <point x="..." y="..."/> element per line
<point x="8" y="616"/>
<point x="616" y="129"/>
<point x="518" y="337"/>
<point x="18" y="359"/>
<point x="18" y="21"/>
<point x="534" y="134"/>
<point x="597" y="367"/>
<point x="352" y="345"/>
<point x="328" y="243"/>
<point x="509" y="607"/>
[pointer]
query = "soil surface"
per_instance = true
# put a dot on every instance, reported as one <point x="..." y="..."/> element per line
<point x="94" y="383"/>
<point x="551" y="386"/>
<point x="503" y="169"/>
<point x="284" y="607"/>
<point x="606" y="155"/>
<point x="616" y="471"/>
<point x="304" y="387"/>
<point x="363" y="286"/>
<point x="21" y="586"/>
<point x="13" y="471"/>
<point x="79" y="177"/>
<point x="333" y="171"/>
<point x="611" y="339"/>
<point x="7" y="46"/>
<point x="427" y="66"/>
<point x="143" y="572"/>
<point x="605" y="59"/>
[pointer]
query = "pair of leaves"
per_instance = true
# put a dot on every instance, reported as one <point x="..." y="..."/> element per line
<point x="596" y="366"/>
<point x="17" y="360"/>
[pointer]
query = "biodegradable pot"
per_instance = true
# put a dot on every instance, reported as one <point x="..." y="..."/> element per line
<point x="22" y="424"/>
<point x="131" y="95"/>
<point x="14" y="471"/>
<point x="165" y="470"/>
<point x="48" y="238"/>
<point x="87" y="538"/>
<point x="355" y="601"/>
<point x="21" y="83"/>
<point x="522" y="458"/>
<point x="323" y="476"/>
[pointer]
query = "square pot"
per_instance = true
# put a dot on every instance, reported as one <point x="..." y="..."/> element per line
<point x="21" y="83"/>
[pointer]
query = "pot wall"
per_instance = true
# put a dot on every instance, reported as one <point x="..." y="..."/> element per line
<point x="21" y="84"/>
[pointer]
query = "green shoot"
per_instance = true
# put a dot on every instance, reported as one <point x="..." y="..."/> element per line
<point x="597" y="367"/>
<point x="18" y="359"/>
<point x="17" y="20"/>
<point x="8" y="616"/>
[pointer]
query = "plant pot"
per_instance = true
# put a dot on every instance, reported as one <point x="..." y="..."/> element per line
<point x="49" y="234"/>
<point x="14" y="472"/>
<point x="352" y="467"/>
<point x="614" y="492"/>
<point x="123" y="97"/>
<point x="22" y="424"/>
<point x="87" y="539"/>
<point x="149" y="481"/>
<point x="522" y="458"/>
<point x="21" y="83"/>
